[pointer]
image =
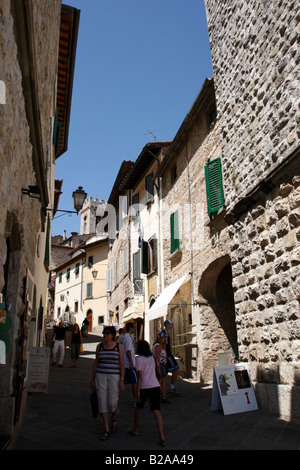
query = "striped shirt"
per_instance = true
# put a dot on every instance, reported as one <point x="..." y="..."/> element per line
<point x="108" y="360"/>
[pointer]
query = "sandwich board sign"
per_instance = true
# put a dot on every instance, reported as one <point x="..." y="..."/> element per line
<point x="232" y="389"/>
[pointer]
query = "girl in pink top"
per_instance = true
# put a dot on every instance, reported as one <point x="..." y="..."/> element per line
<point x="148" y="387"/>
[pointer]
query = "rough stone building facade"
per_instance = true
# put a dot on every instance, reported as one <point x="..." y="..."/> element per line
<point x="202" y="311"/>
<point x="30" y="49"/>
<point x="255" y="55"/>
<point x="118" y="280"/>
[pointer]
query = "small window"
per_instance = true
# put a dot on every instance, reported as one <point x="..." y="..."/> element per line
<point x="89" y="290"/>
<point x="149" y="184"/>
<point x="173" y="173"/>
<point x="60" y="278"/>
<point x="68" y="274"/>
<point x="76" y="270"/>
<point x="108" y="280"/>
<point x="136" y="265"/>
<point x="135" y="205"/>
<point x="90" y="261"/>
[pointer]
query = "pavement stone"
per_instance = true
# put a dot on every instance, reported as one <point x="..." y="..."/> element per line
<point x="62" y="420"/>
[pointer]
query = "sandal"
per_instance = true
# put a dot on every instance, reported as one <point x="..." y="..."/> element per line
<point x="104" y="436"/>
<point x="162" y="442"/>
<point x="133" y="433"/>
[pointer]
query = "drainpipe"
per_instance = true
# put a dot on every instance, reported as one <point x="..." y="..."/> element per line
<point x="191" y="225"/>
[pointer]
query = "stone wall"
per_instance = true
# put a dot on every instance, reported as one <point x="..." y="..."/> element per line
<point x="20" y="216"/>
<point x="266" y="268"/>
<point x="255" y="61"/>
<point x="256" y="71"/>
<point x="208" y="253"/>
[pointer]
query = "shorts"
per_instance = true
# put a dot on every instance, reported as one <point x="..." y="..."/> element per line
<point x="164" y="370"/>
<point x="154" y="397"/>
<point x="130" y="376"/>
<point x="107" y="388"/>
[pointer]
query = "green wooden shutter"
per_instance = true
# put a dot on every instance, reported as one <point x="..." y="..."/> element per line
<point x="214" y="185"/>
<point x="89" y="290"/>
<point x="154" y="248"/>
<point x="56" y="132"/>
<point x="47" y="244"/>
<point x="174" y="232"/>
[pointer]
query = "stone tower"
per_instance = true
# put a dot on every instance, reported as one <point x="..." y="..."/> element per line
<point x="90" y="215"/>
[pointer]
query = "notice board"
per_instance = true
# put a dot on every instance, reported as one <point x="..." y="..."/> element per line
<point x="232" y="389"/>
<point x="39" y="360"/>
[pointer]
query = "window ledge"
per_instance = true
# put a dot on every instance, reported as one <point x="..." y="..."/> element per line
<point x="175" y="254"/>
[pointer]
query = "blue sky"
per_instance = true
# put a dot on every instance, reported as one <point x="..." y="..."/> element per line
<point x="139" y="66"/>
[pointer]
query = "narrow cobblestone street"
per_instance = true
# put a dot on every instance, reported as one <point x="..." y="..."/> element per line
<point x="62" y="420"/>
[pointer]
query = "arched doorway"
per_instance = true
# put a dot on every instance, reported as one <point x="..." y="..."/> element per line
<point x="89" y="316"/>
<point x="217" y="315"/>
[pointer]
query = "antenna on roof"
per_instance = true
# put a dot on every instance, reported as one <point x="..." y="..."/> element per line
<point x="152" y="133"/>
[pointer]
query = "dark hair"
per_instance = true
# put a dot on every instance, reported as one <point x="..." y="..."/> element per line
<point x="129" y="325"/>
<point x="143" y="349"/>
<point x="112" y="330"/>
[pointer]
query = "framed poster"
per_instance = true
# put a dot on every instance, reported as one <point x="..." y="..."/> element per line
<point x="232" y="389"/>
<point x="38" y="369"/>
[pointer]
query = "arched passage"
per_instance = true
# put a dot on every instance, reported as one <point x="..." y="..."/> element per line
<point x="218" y="312"/>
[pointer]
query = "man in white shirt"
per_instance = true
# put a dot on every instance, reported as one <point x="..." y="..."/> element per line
<point x="129" y="357"/>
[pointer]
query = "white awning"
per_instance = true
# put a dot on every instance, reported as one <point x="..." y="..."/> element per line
<point x="135" y="311"/>
<point x="160" y="306"/>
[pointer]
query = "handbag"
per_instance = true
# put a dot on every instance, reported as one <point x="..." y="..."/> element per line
<point x="94" y="404"/>
<point x="81" y="348"/>
<point x="172" y="363"/>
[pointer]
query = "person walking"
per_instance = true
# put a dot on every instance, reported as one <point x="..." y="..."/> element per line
<point x="108" y="378"/>
<point x="148" y="387"/>
<point x="129" y="357"/>
<point x="172" y="363"/>
<point x="75" y="342"/>
<point x="160" y="354"/>
<point x="58" y="340"/>
<point x="85" y="327"/>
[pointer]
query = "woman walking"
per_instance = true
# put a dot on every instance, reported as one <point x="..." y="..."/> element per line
<point x="75" y="342"/>
<point x="160" y="354"/>
<point x="147" y="387"/>
<point x="108" y="378"/>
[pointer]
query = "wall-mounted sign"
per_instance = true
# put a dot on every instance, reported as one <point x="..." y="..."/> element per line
<point x="232" y="389"/>
<point x="138" y="287"/>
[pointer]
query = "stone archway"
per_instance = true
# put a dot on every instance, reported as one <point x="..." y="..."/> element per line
<point x="217" y="313"/>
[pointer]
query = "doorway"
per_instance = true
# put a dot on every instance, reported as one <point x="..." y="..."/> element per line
<point x="217" y="315"/>
<point x="89" y="315"/>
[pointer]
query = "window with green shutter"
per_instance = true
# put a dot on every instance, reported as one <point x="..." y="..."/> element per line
<point x="214" y="185"/>
<point x="56" y="132"/>
<point x="89" y="290"/>
<point x="174" y="222"/>
<point x="47" y="244"/>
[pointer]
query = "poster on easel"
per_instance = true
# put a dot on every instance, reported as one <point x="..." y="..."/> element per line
<point x="38" y="376"/>
<point x="232" y="389"/>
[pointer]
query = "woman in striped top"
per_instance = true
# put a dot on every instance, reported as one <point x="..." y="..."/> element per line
<point x="108" y="378"/>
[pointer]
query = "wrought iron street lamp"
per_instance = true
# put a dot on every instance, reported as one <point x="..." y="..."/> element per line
<point x="79" y="197"/>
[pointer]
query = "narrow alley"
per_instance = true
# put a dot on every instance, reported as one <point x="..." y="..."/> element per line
<point x="62" y="420"/>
